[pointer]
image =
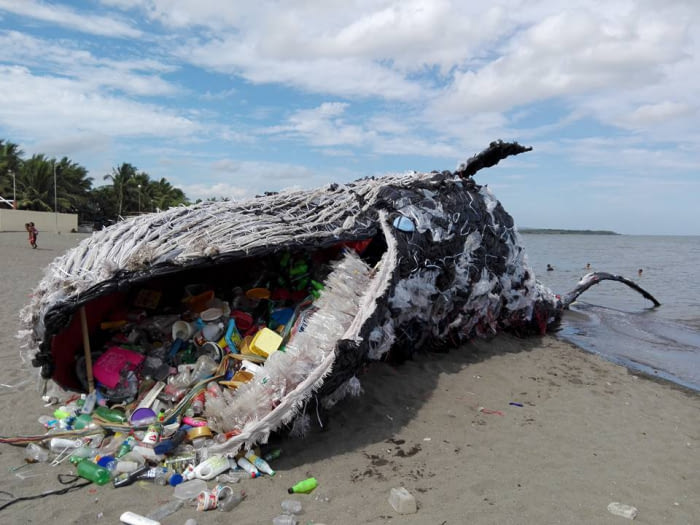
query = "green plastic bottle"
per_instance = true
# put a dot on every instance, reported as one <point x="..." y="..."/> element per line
<point x="111" y="415"/>
<point x="304" y="487"/>
<point x="92" y="471"/>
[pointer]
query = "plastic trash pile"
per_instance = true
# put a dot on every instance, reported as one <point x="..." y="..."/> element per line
<point x="158" y="380"/>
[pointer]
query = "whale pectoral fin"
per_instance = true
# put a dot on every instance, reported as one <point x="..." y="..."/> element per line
<point x="496" y="152"/>
<point x="594" y="278"/>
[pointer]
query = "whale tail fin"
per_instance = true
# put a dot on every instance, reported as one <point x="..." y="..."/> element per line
<point x="594" y="278"/>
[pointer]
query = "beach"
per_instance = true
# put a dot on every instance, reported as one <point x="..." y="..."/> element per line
<point x="506" y="431"/>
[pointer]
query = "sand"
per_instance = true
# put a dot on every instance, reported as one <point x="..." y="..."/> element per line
<point x="588" y="433"/>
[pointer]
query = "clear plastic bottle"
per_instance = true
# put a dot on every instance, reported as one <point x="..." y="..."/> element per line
<point x="290" y="506"/>
<point x="284" y="519"/>
<point x="35" y="453"/>
<point x="89" y="403"/>
<point x="189" y="489"/>
<point x="228" y="500"/>
<point x="234" y="476"/>
<point x="248" y="466"/>
<point x="165" y="510"/>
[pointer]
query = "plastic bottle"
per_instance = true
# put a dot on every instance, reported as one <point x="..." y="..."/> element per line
<point x="82" y="453"/>
<point x="203" y="368"/>
<point x="211" y="467"/>
<point x="89" y="470"/>
<point x="234" y="476"/>
<point x="61" y="444"/>
<point x="179" y="463"/>
<point x="109" y="463"/>
<point x="35" y="453"/>
<point x="83" y="421"/>
<point x="125" y="447"/>
<point x="125" y="466"/>
<point x="303" y="487"/>
<point x="165" y="510"/>
<point x="228" y="500"/>
<point x="189" y="489"/>
<point x="259" y="463"/>
<point x="111" y="415"/>
<point x="290" y="506"/>
<point x="48" y="421"/>
<point x="248" y="467"/>
<point x="272" y="454"/>
<point x="159" y="475"/>
<point x="122" y="480"/>
<point x="89" y="404"/>
<point x="284" y="519"/>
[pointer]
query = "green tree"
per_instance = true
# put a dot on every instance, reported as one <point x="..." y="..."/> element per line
<point x="48" y="185"/>
<point x="123" y="183"/>
<point x="73" y="186"/>
<point x="10" y="166"/>
<point x="35" y="189"/>
<point x="165" y="195"/>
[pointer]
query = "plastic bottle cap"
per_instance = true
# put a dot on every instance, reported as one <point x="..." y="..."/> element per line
<point x="175" y="479"/>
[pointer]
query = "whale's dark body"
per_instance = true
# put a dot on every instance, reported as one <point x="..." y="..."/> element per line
<point x="443" y="263"/>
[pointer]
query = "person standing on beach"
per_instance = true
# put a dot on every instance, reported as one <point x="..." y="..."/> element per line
<point x="33" y="234"/>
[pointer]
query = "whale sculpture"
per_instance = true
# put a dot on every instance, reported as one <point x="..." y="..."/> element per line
<point x="406" y="261"/>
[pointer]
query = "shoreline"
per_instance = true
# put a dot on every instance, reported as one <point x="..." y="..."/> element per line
<point x="589" y="432"/>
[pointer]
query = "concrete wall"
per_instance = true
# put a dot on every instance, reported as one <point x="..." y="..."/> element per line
<point x="14" y="221"/>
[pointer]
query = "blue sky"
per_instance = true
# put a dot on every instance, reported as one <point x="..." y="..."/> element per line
<point x="235" y="98"/>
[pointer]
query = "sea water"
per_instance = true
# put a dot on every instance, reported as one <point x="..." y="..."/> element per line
<point x="613" y="320"/>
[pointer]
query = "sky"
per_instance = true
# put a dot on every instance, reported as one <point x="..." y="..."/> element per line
<point x="230" y="99"/>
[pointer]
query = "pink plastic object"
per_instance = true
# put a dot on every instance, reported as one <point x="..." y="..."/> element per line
<point x="108" y="366"/>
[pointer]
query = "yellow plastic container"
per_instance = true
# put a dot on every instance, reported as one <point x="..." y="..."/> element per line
<point x="265" y="342"/>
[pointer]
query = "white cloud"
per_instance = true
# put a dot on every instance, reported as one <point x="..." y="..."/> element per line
<point x="243" y="179"/>
<point x="47" y="106"/>
<point x="134" y="77"/>
<point x="654" y="114"/>
<point x="322" y="126"/>
<point x="566" y="54"/>
<point x="93" y="24"/>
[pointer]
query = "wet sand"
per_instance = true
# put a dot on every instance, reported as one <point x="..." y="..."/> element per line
<point x="588" y="433"/>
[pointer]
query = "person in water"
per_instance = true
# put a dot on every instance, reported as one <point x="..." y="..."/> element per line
<point x="639" y="272"/>
<point x="549" y="268"/>
<point x="588" y="266"/>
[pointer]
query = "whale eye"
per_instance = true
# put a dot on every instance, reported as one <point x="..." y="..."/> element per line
<point x="404" y="224"/>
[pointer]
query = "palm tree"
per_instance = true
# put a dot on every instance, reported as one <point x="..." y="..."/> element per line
<point x="73" y="186"/>
<point x="35" y="184"/>
<point x="165" y="195"/>
<point x="122" y="182"/>
<point x="10" y="166"/>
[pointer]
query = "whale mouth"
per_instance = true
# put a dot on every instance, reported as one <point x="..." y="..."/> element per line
<point x="328" y="306"/>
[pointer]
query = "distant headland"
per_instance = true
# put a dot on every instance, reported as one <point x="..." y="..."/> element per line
<point x="566" y="232"/>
